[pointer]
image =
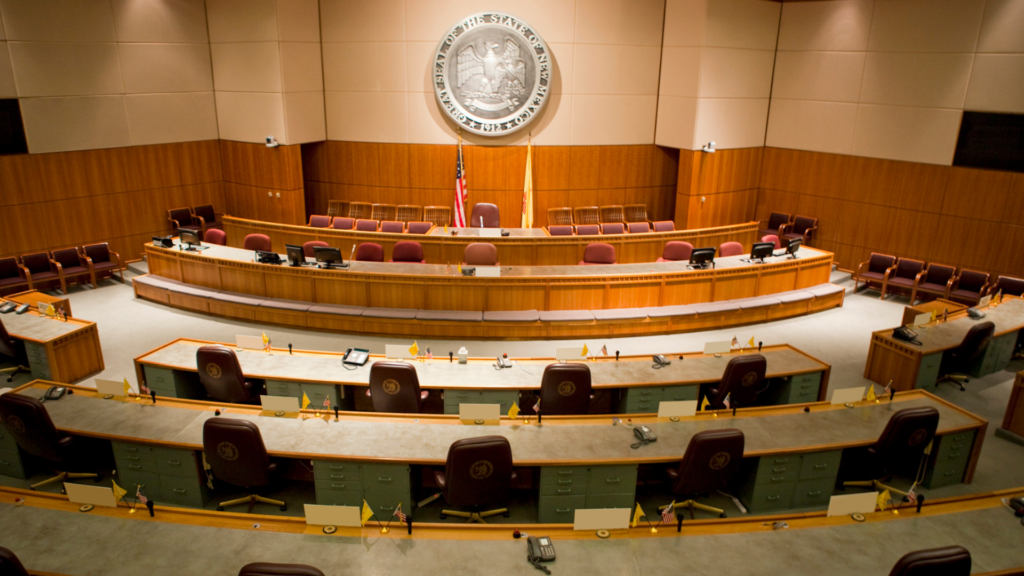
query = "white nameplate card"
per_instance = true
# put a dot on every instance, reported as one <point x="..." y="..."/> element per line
<point x="490" y="232"/>
<point x="249" y="342"/>
<point x="488" y="271"/>
<point x="984" y="301"/>
<point x="397" y="351"/>
<point x="601" y="519"/>
<point x="95" y="495"/>
<point x="569" y="353"/>
<point x="922" y="319"/>
<point x="722" y="347"/>
<point x="679" y="409"/>
<point x="847" y="504"/>
<point x="319" y="515"/>
<point x="845" y="395"/>
<point x="479" y="412"/>
<point x="109" y="387"/>
<point x="280" y="403"/>
<point x="43" y="307"/>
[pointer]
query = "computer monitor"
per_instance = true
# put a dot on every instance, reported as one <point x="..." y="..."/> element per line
<point x="762" y="250"/>
<point x="327" y="256"/>
<point x="296" y="257"/>
<point x="189" y="237"/>
<point x="163" y="241"/>
<point x="793" y="246"/>
<point x="700" y="257"/>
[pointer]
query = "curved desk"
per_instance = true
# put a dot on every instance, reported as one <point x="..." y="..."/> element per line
<point x="57" y="350"/>
<point x="522" y="247"/>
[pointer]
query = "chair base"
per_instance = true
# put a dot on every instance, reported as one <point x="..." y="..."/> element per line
<point x="693" y="505"/>
<point x="252" y="499"/>
<point x="475" y="516"/>
<point x="62" y="476"/>
<point x="875" y="485"/>
<point x="960" y="379"/>
<point x="15" y="371"/>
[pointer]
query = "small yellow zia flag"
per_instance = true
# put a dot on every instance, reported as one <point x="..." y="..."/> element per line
<point x="118" y="491"/>
<point x="750" y="343"/>
<point x="513" y="411"/>
<point x="637" y="514"/>
<point x="265" y="339"/>
<point x="414" y="349"/>
<point x="871" y="394"/>
<point x="127" y="388"/>
<point x="51" y="311"/>
<point x="883" y="498"/>
<point x="585" y="351"/>
<point x="367" y="513"/>
<point x="704" y="405"/>
<point x="305" y="401"/>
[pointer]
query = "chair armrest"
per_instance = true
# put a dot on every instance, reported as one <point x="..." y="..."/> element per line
<point x="810" y="232"/>
<point x="85" y="261"/>
<point x="202" y="222"/>
<point x="115" y="255"/>
<point x="889" y="271"/>
<point x="860" y="267"/>
<point x="917" y="279"/>
<point x="56" y="267"/>
<point x="25" y="273"/>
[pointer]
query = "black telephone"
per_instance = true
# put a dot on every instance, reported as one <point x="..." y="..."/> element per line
<point x="54" y="393"/>
<point x="8" y="307"/>
<point x="467" y="271"/>
<point x="645" y="435"/>
<point x="268" y="257"/>
<point x="541" y="549"/>
<point x="355" y="357"/>
<point x="1017" y="504"/>
<point x="22" y="309"/>
<point x="660" y="360"/>
<point x="503" y="362"/>
<point x="975" y="313"/>
<point x="906" y="334"/>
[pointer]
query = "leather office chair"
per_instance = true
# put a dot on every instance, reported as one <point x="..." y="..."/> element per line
<point x="214" y="236"/>
<point x="38" y="269"/>
<point x="206" y="217"/>
<point x="560" y="216"/>
<point x="101" y="259"/>
<point x="960" y="359"/>
<point x="969" y="286"/>
<point x="1008" y="285"/>
<point x="181" y="218"/>
<point x="343" y="223"/>
<point x="635" y="213"/>
<point x="936" y="280"/>
<point x="10" y="565"/>
<point x="908" y="273"/>
<point x="802" y="227"/>
<point x="612" y="214"/>
<point x="565" y="389"/>
<point x="478" y="473"/>
<point x="316" y="221"/>
<point x="221" y="375"/>
<point x="271" y="569"/>
<point x="875" y="269"/>
<point x="613" y="228"/>
<point x="741" y="382"/>
<point x="711" y="459"/>
<point x="438" y="215"/>
<point x="370" y="252"/>
<point x="12" y="278"/>
<point x="392" y="227"/>
<point x="336" y="208"/>
<point x="236" y="454"/>
<point x="480" y="254"/>
<point x="902" y="443"/>
<point x="70" y="266"/>
<point x="945" y="561"/>
<point x="381" y="212"/>
<point x="586" y="215"/>
<point x="639" y="227"/>
<point x="257" y="242"/>
<point x="730" y="249"/>
<point x="588" y="229"/>
<point x="29" y="423"/>
<point x="394" y="387"/>
<point x="776" y="223"/>
<point x="598" y="253"/>
<point x="676" y="251"/>
<point x="664" y="226"/>
<point x="14" y="349"/>
<point x="357" y="210"/>
<point x="560" y="230"/>
<point x="773" y="239"/>
<point x="363" y="225"/>
<point x="309" y="248"/>
<point x="420" y="227"/>
<point x="408" y="251"/>
<point x="409" y="213"/>
<point x="489" y="214"/>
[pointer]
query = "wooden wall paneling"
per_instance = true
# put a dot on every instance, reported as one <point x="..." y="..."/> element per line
<point x="633" y="295"/>
<point x="394" y="165"/>
<point x="200" y="274"/>
<point x="355" y="163"/>
<point x="150" y="167"/>
<point x="200" y="162"/>
<point x="1013" y="211"/>
<point x="919" y="186"/>
<point x="20" y="176"/>
<point x="551" y="169"/>
<point x="330" y="291"/>
<point x="446" y="296"/>
<point x="568" y="296"/>
<point x="912" y="234"/>
<point x="315" y="162"/>
<point x="1007" y="259"/>
<point x="584" y="168"/>
<point x="979" y="194"/>
<point x="432" y="166"/>
<point x="236" y="279"/>
<point x="688" y="290"/>
<point x="290" y="287"/>
<point x="397" y="294"/>
<point x="826" y="210"/>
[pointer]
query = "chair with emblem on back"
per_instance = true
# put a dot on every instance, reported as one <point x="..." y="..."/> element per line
<point x="900" y="446"/>
<point x="478" y="473"/>
<point x="565" y="389"/>
<point x="272" y="569"/>
<point x="235" y="451"/>
<point x="10" y="565"/>
<point x="15" y="350"/>
<point x="945" y="561"/>
<point x="221" y="375"/>
<point x="394" y="387"/>
<point x="960" y="359"/>
<point x="711" y="459"/>
<point x="741" y="383"/>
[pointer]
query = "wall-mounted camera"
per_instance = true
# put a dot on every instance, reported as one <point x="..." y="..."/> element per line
<point x="272" y="142"/>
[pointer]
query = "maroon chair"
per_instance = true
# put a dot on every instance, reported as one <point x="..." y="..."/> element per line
<point x="936" y="280"/>
<point x="182" y="218"/>
<point x="308" y="249"/>
<point x="968" y="287"/>
<point x="776" y="224"/>
<point x="959" y="360"/>
<point x="235" y="451"/>
<point x="730" y="249"/>
<point x="487" y="214"/>
<point x="272" y="569"/>
<point x="773" y="239"/>
<point x="875" y="269"/>
<point x="370" y="252"/>
<point x="15" y="350"/>
<point x="711" y="459"/>
<point x="900" y="447"/>
<point x="598" y="253"/>
<point x="480" y="254"/>
<point x="560" y="230"/>
<point x="102" y="260"/>
<point x="408" y="251"/>
<point x="10" y="565"/>
<point x="221" y="376"/>
<point x="215" y="236"/>
<point x="257" y="242"/>
<point x="676" y="251"/>
<point x="342" y="223"/>
<point x="907" y="275"/>
<point x="802" y="227"/>
<point x="565" y="389"/>
<point x="420" y="227"/>
<point x="392" y="227"/>
<point x="29" y="424"/>
<point x="588" y="229"/>
<point x="366" y="225"/>
<point x="70" y="266"/>
<point x="613" y="228"/>
<point x="1008" y="285"/>
<point x="741" y="382"/>
<point x="945" y="561"/>
<point x="206" y="217"/>
<point x="639" y="227"/>
<point x="478" y="473"/>
<point x="38" y="269"/>
<point x="12" y="278"/>
<point x="316" y="221"/>
<point x="664" y="226"/>
<point x="394" y="387"/>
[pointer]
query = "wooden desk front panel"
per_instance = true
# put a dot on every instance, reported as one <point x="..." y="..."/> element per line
<point x="1013" y="420"/>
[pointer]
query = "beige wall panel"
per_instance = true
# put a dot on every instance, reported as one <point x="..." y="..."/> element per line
<point x="835" y="25"/>
<point x="250" y="116"/>
<point x="427" y="123"/>
<point x="242" y="20"/>
<point x="997" y="83"/>
<point x="606" y="69"/>
<point x="418" y="58"/>
<point x="731" y="123"/>
<point x="298" y="20"/>
<point x="736" y="73"/>
<point x="606" y="120"/>
<point x="164" y="21"/>
<point x="829" y="76"/>
<point x="925" y="25"/>
<point x="148" y="68"/>
<point x="8" y="89"/>
<point x="677" y="118"/>
<point x="684" y="22"/>
<point x="58" y="20"/>
<point x="301" y="70"/>
<point x="930" y="80"/>
<point x="3" y="35"/>
<point x="368" y="116"/>
<point x="1002" y="28"/>
<point x="806" y="125"/>
<point x="75" y="123"/>
<point x="359" y="21"/>
<point x="65" y="69"/>
<point x="563" y="58"/>
<point x="304" y="117"/>
<point x="365" y="67"/>
<point x="160" y="118"/>
<point x="680" y="71"/>
<point x="742" y="24"/>
<point x="903" y="133"/>
<point x="429" y="20"/>
<point x="246" y="67"/>
<point x="626" y="22"/>
<point x="554" y="126"/>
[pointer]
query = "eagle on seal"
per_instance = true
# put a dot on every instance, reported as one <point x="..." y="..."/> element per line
<point x="503" y="74"/>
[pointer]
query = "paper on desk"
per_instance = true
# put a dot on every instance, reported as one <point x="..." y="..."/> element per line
<point x="95" y="495"/>
<point x="680" y="408"/>
<point x="249" y="342"/>
<point x="722" y="347"/>
<point x="109" y="387"/>
<point x="844" y="395"/>
<point x="280" y="403"/>
<point x="488" y="271"/>
<point x="320" y="515"/>
<point x="852" y="504"/>
<point x="922" y="319"/>
<point x="479" y="411"/>
<point x="984" y="301"/>
<point x="569" y="353"/>
<point x="397" y="351"/>
<point x="601" y="519"/>
<point x="489" y="232"/>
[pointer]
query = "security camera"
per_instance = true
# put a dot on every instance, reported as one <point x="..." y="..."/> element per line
<point x="272" y="142"/>
<point x="709" y="147"/>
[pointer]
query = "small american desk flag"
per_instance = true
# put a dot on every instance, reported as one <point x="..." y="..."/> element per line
<point x="461" y="192"/>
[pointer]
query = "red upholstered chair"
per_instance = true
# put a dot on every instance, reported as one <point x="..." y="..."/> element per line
<point x="639" y="227"/>
<point x="256" y="242"/>
<point x="12" y="278"/>
<point x="773" y="239"/>
<point x="488" y="212"/>
<point x="366" y="225"/>
<point x="946" y="561"/>
<point x="664" y="226"/>
<point x="478" y="473"/>
<point x="900" y="447"/>
<point x="730" y="249"/>
<point x="875" y="269"/>
<point x="711" y="459"/>
<point x="102" y="260"/>
<point x="937" y="280"/>
<point x="10" y="565"/>
<point x="420" y="227"/>
<point x="308" y="249"/>
<point x="392" y="227"/>
<point x="968" y="286"/>
<point x="216" y="236"/>
<point x="802" y="227"/>
<point x="588" y="230"/>
<point x="598" y="253"/>
<point x="613" y="228"/>
<point x="38" y="269"/>
<point x="235" y="451"/>
<point x="560" y="230"/>
<point x="408" y="251"/>
<point x="480" y="254"/>
<point x="272" y="569"/>
<point x="206" y="217"/>
<point x="370" y="252"/>
<point x="343" y="223"/>
<point x="676" y="251"/>
<point x="742" y="380"/>
<point x="221" y="376"/>
<point x="394" y="387"/>
<point x="908" y="273"/>
<point x="35" y="433"/>
<point x="182" y="218"/>
<point x="319" y="221"/>
<point x="565" y="389"/>
<point x="776" y="224"/>
<point x="70" y="266"/>
<point x="1008" y="285"/>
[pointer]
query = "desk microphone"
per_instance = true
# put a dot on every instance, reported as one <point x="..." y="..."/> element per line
<point x="450" y="357"/>
<point x="153" y="395"/>
<point x="335" y="413"/>
<point x="289" y="349"/>
<point x="759" y="344"/>
<point x="352" y="253"/>
<point x="616" y="355"/>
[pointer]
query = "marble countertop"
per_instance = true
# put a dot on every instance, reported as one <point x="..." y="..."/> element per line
<point x="475" y="232"/>
<point x="40" y="328"/>
<point x="1007" y="317"/>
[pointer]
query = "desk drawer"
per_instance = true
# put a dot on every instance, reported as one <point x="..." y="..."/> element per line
<point x="130" y="479"/>
<point x="928" y="372"/>
<point x="338" y="485"/>
<point x="559" y="509"/>
<point x="961" y="443"/>
<point x="612" y="479"/>
<point x="624" y="500"/>
<point x="767" y="497"/>
<point x="564" y="490"/>
<point x="678" y="393"/>
<point x="385" y="485"/>
<point x="558" y="475"/>
<point x="819" y="465"/>
<point x="183" y="491"/>
<point x="775" y="470"/>
<point x="318" y="392"/>
<point x="175" y="462"/>
<point x="945" y="473"/>
<point x="135" y="457"/>
<point x="813" y="492"/>
<point x="285" y="389"/>
<point x="36" y="353"/>
<point x="7" y="442"/>
<point x="327" y="470"/>
<point x="341" y="498"/>
<point x="161" y="378"/>
<point x="11" y="464"/>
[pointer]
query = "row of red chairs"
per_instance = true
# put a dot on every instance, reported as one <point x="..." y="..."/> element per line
<point x="785" y="227"/>
<point x="75" y="264"/>
<point x="197" y="218"/>
<point x="611" y="228"/>
<point x="364" y="225"/>
<point x="936" y="280"/>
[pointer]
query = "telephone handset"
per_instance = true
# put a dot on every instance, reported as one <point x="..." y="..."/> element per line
<point x="645" y="435"/>
<point x="8" y="307"/>
<point x="54" y="393"/>
<point x="660" y="361"/>
<point x="540" y="549"/>
<point x="503" y="362"/>
<point x="355" y="357"/>
<point x="975" y="313"/>
<point x="906" y="334"/>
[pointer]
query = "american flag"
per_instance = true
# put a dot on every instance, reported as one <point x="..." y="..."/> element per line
<point x="888" y="387"/>
<point x="401" y="516"/>
<point x="911" y="495"/>
<point x="460" y="190"/>
<point x="668" y="515"/>
<point x="604" y="350"/>
<point x="327" y="403"/>
<point x="138" y="494"/>
<point x="735" y="342"/>
<point x="726" y="401"/>
<point x="536" y="407"/>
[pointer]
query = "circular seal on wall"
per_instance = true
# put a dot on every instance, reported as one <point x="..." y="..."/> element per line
<point x="566" y="388"/>
<point x="391" y="386"/>
<point x="749" y="379"/>
<point x="16" y="425"/>
<point x="719" y="461"/>
<point x="212" y="370"/>
<point x="492" y="73"/>
<point x="227" y="451"/>
<point x="481" y="469"/>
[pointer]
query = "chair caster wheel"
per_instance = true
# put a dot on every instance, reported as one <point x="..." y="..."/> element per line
<point x="220" y="508"/>
<point x="722" y="515"/>
<point x="284" y="508"/>
<point x="443" y="516"/>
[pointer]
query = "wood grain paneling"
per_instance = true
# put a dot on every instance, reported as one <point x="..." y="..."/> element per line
<point x="717" y="189"/>
<point x="264" y="183"/>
